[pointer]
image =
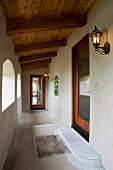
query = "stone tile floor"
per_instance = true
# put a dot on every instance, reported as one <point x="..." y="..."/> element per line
<point x="85" y="157"/>
<point x="23" y="152"/>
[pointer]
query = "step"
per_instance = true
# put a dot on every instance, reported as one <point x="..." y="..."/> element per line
<point x="80" y="149"/>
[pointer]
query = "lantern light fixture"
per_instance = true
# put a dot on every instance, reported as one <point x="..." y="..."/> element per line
<point x="46" y="75"/>
<point x="96" y="35"/>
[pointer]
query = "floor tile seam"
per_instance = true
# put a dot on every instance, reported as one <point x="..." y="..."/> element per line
<point x="46" y="125"/>
<point x="72" y="151"/>
<point x="17" y="143"/>
<point x="25" y="142"/>
<point x="99" y="158"/>
<point x="77" y="153"/>
<point x="86" y="144"/>
<point x="88" y="158"/>
<point x="87" y="165"/>
<point x="51" y="117"/>
<point x="26" y="127"/>
<point x="17" y="152"/>
<point x="15" y="132"/>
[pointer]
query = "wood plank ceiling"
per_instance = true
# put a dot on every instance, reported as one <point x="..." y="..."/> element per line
<point x="40" y="27"/>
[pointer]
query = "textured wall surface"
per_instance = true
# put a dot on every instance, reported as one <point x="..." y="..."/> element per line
<point x="101" y="69"/>
<point x="9" y="117"/>
<point x="60" y="107"/>
<point x="101" y="73"/>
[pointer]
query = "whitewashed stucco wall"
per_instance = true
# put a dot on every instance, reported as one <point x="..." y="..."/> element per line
<point x="101" y="71"/>
<point x="60" y="107"/>
<point x="26" y="87"/>
<point x="9" y="117"/>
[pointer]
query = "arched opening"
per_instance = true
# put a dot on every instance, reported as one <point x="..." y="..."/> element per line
<point x="18" y="86"/>
<point x="8" y="84"/>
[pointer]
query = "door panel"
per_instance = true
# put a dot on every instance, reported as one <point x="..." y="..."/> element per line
<point x="37" y="92"/>
<point x="81" y="84"/>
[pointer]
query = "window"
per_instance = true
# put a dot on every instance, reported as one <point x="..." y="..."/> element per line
<point x="18" y="86"/>
<point x="8" y="84"/>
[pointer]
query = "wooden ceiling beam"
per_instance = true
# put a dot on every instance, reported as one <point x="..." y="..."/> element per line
<point x="41" y="56"/>
<point x="45" y="24"/>
<point x="40" y="46"/>
<point x="34" y="63"/>
<point x="34" y="67"/>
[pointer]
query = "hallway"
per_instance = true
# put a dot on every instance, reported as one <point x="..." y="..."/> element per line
<point x="35" y="124"/>
<point x="53" y="40"/>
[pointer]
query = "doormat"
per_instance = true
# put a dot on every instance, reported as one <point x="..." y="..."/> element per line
<point x="50" y="145"/>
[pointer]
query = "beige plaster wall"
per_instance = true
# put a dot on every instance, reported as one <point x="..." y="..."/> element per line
<point x="60" y="107"/>
<point x="9" y="117"/>
<point x="26" y="86"/>
<point x="101" y="69"/>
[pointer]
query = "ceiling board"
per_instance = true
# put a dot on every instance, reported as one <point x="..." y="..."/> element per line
<point x="37" y="52"/>
<point x="34" y="67"/>
<point x="42" y="56"/>
<point x="27" y="9"/>
<point x="45" y="24"/>
<point x="39" y="37"/>
<point x="32" y="9"/>
<point x="34" y="63"/>
<point x="40" y="46"/>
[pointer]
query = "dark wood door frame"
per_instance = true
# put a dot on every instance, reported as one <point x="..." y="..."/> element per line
<point x="39" y="106"/>
<point x="78" y="124"/>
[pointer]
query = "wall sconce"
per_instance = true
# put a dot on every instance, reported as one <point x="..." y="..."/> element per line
<point x="46" y="75"/>
<point x="95" y="35"/>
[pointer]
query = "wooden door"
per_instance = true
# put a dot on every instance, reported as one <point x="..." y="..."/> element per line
<point x="37" y="92"/>
<point x="81" y="87"/>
